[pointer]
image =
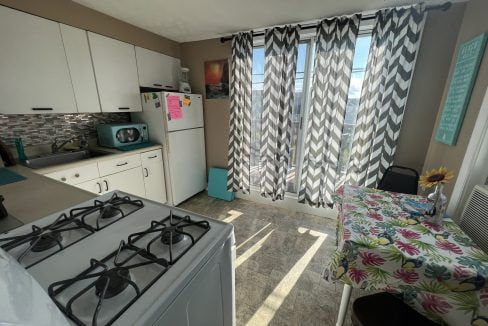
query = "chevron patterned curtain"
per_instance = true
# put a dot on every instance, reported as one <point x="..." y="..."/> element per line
<point x="395" y="41"/>
<point x="281" y="52"/>
<point x="334" y="54"/>
<point x="239" y="157"/>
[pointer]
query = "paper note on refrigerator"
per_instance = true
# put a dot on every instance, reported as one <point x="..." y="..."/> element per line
<point x="174" y="108"/>
<point x="186" y="100"/>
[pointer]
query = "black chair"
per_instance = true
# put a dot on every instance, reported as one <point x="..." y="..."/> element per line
<point x="400" y="179"/>
<point x="383" y="309"/>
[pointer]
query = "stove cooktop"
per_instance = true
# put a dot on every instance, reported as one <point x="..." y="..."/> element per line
<point x="30" y="248"/>
<point x="132" y="267"/>
<point x="100" y="294"/>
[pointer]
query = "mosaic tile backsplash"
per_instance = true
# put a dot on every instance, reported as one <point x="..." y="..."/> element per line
<point x="40" y="129"/>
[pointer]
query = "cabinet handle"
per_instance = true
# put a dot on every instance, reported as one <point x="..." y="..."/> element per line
<point x="63" y="179"/>
<point x="42" y="109"/>
<point x="77" y="175"/>
<point x="154" y="156"/>
<point x="158" y="85"/>
<point x="99" y="187"/>
<point x="147" y="172"/>
<point x="169" y="86"/>
<point x="122" y="164"/>
<point x="106" y="185"/>
<point x="124" y="108"/>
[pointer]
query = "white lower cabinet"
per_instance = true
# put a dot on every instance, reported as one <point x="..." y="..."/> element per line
<point x="94" y="186"/>
<point x="153" y="172"/>
<point x="129" y="181"/>
<point x="143" y="176"/>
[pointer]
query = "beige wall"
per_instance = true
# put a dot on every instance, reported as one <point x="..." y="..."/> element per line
<point x="474" y="23"/>
<point x="431" y="70"/>
<point x="216" y="111"/>
<point x="71" y="13"/>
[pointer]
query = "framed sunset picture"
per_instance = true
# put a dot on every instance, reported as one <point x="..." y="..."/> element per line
<point x="217" y="79"/>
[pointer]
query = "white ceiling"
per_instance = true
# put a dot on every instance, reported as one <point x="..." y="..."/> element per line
<point x="191" y="20"/>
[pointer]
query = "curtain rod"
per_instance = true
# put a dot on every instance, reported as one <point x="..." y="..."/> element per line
<point x="445" y="6"/>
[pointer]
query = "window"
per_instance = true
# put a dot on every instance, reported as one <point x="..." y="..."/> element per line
<point x="360" y="60"/>
<point x="257" y="109"/>
<point x="302" y="91"/>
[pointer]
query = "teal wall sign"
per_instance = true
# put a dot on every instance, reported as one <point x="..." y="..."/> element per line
<point x="462" y="81"/>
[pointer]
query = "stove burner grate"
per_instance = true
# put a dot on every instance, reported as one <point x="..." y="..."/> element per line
<point x="41" y="239"/>
<point x="112" y="282"/>
<point x="46" y="241"/>
<point x="170" y="232"/>
<point x="172" y="235"/>
<point x="109" y="281"/>
<point x="109" y="210"/>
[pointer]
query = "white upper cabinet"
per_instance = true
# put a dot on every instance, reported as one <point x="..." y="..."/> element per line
<point x="81" y="69"/>
<point x="157" y="70"/>
<point x="34" y="74"/>
<point x="116" y="74"/>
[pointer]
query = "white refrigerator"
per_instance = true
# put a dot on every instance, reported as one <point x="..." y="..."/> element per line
<point x="175" y="120"/>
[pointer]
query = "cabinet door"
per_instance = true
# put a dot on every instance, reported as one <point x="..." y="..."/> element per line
<point x="93" y="186"/>
<point x="80" y="66"/>
<point x="116" y="74"/>
<point x="153" y="171"/>
<point x="34" y="74"/>
<point x="129" y="181"/>
<point x="171" y="73"/>
<point x="150" y="67"/>
<point x="157" y="70"/>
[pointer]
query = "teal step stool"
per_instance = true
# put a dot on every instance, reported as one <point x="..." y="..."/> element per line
<point x="217" y="184"/>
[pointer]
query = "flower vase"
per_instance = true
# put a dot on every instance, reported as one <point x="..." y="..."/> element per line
<point x="439" y="201"/>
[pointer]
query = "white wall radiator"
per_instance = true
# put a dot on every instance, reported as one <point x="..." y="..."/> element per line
<point x="474" y="220"/>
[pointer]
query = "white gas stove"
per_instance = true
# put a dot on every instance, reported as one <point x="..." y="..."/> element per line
<point x="124" y="260"/>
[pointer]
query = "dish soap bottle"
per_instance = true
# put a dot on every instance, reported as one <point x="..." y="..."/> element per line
<point x="20" y="149"/>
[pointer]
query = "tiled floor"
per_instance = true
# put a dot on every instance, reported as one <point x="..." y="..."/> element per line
<point x="281" y="255"/>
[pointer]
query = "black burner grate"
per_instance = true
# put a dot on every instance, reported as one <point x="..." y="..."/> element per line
<point x="110" y="282"/>
<point x="45" y="238"/>
<point x="110" y="211"/>
<point x="104" y="281"/>
<point x="42" y="239"/>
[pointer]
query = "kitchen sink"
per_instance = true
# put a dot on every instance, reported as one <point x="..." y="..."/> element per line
<point x="43" y="161"/>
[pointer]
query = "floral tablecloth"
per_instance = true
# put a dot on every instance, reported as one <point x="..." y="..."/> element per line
<point x="384" y="244"/>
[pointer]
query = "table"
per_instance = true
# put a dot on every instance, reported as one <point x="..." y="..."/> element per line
<point x="384" y="244"/>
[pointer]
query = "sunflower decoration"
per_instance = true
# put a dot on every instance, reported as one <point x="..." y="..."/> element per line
<point x="435" y="176"/>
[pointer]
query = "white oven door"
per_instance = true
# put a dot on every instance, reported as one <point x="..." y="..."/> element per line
<point x="209" y="298"/>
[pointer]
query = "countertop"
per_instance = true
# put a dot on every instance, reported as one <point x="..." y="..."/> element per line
<point x="38" y="196"/>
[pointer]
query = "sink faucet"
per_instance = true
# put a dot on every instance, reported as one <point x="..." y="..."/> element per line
<point x="83" y="143"/>
<point x="55" y="147"/>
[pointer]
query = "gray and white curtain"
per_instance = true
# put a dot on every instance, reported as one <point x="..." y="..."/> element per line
<point x="334" y="54"/>
<point x="281" y="52"/>
<point x="239" y="157"/>
<point x="395" y="42"/>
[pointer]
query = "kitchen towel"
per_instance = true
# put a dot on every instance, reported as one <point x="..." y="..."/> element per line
<point x="7" y="176"/>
